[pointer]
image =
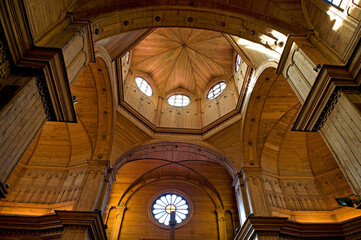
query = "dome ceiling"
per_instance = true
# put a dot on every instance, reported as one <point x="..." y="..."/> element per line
<point x="183" y="58"/>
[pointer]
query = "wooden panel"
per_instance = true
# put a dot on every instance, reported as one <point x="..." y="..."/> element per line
<point x="183" y="58"/>
<point x="342" y="132"/>
<point x="118" y="45"/>
<point x="138" y="225"/>
<point x="18" y="128"/>
<point x="44" y="14"/>
<point x="335" y="26"/>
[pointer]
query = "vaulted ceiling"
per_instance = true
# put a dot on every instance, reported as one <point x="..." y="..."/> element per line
<point x="183" y="58"/>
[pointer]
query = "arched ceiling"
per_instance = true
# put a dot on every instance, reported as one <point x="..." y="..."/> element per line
<point x="183" y="58"/>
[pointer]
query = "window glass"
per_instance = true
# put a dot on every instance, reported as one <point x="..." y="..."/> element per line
<point x="341" y="4"/>
<point x="237" y="62"/>
<point x="167" y="203"/>
<point x="216" y="90"/>
<point x="179" y="100"/>
<point x="144" y="86"/>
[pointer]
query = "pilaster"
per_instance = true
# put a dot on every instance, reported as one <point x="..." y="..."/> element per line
<point x="222" y="228"/>
<point x="92" y="186"/>
<point x="119" y="215"/>
<point x="256" y="194"/>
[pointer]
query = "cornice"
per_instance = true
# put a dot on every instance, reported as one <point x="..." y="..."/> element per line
<point x="282" y="226"/>
<point x="53" y="224"/>
<point x="45" y="63"/>
<point x="325" y="91"/>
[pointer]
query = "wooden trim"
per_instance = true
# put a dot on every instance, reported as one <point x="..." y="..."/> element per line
<point x="201" y="131"/>
<point x="284" y="226"/>
<point x="48" y="61"/>
<point x="238" y="49"/>
<point x="53" y="224"/>
<point x="285" y="54"/>
<point x="3" y="190"/>
<point x="330" y="79"/>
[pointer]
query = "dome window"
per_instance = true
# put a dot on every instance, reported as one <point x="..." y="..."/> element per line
<point x="179" y="100"/>
<point x="216" y="90"/>
<point x="144" y="86"/>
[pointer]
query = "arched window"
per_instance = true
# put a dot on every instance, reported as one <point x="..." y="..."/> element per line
<point x="144" y="86"/>
<point x="167" y="203"/>
<point x="216" y="90"/>
<point x="237" y="63"/>
<point x="179" y="100"/>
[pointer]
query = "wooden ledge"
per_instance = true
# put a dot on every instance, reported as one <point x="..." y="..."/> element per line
<point x="282" y="226"/>
<point x="53" y="224"/>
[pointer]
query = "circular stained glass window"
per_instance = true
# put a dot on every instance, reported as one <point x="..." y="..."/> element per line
<point x="216" y="90"/>
<point x="179" y="100"/>
<point x="144" y="86"/>
<point x="167" y="203"/>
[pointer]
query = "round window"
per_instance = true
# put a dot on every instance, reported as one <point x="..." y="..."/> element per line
<point x="167" y="203"/>
<point x="179" y="100"/>
<point x="216" y="90"/>
<point x="144" y="86"/>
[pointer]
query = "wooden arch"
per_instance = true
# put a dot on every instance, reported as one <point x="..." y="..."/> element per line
<point x="175" y="152"/>
<point x="240" y="19"/>
<point x="140" y="183"/>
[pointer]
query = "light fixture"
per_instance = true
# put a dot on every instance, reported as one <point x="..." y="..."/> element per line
<point x="348" y="202"/>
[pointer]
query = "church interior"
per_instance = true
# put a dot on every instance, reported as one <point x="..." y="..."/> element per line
<point x="192" y="119"/>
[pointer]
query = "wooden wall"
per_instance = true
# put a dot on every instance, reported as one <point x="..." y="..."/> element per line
<point x="138" y="225"/>
<point x="336" y="27"/>
<point x="184" y="178"/>
<point x="21" y="119"/>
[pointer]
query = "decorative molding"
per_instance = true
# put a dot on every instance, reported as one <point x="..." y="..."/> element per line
<point x="223" y="120"/>
<point x="53" y="225"/>
<point x="287" y="229"/>
<point x="48" y="62"/>
<point x="182" y="150"/>
<point x="324" y="93"/>
<point x="45" y="97"/>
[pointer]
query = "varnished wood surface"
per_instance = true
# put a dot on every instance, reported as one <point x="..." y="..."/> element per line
<point x="183" y="58"/>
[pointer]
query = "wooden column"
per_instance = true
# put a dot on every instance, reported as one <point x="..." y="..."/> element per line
<point x="75" y="42"/>
<point x="256" y="194"/>
<point x="104" y="194"/>
<point x="46" y="84"/>
<point x="119" y="215"/>
<point x="332" y="108"/>
<point x="243" y="208"/>
<point x="342" y="132"/>
<point x="222" y="228"/>
<point x="199" y="111"/>
<point x="92" y="185"/>
<point x="20" y="121"/>
<point x="159" y="111"/>
<point x="300" y="63"/>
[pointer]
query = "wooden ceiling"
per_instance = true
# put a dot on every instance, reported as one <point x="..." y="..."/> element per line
<point x="183" y="58"/>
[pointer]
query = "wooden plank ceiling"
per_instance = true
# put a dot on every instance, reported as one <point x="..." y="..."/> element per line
<point x="183" y="58"/>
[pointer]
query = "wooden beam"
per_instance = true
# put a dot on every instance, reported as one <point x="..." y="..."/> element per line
<point x="238" y="49"/>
